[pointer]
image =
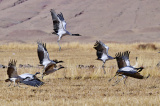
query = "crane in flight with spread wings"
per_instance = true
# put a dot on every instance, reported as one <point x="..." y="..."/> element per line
<point x="59" y="26"/>
<point x="28" y="79"/>
<point x="102" y="53"/>
<point x="125" y="69"/>
<point x="49" y="65"/>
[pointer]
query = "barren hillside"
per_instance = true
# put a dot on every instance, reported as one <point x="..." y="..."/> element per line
<point x="128" y="21"/>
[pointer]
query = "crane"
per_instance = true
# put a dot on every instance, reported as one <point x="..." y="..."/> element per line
<point x="102" y="53"/>
<point x="59" y="26"/>
<point x="125" y="69"/>
<point x="49" y="65"/>
<point x="26" y="78"/>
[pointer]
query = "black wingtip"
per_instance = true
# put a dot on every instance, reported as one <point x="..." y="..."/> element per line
<point x="76" y="35"/>
<point x="61" y="61"/>
<point x="54" y="33"/>
<point x="97" y="59"/>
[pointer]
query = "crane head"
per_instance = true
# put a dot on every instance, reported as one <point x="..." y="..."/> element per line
<point x="142" y="67"/>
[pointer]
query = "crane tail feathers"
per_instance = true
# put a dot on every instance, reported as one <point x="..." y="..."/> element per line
<point x="76" y="35"/>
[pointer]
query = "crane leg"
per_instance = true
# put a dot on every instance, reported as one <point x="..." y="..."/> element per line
<point x="18" y="84"/>
<point x="103" y="68"/>
<point x="10" y="84"/>
<point x="59" y="45"/>
<point x="125" y="80"/>
<point x="117" y="78"/>
<point x="42" y="73"/>
<point x="118" y="81"/>
<point x="14" y="84"/>
<point x="112" y="77"/>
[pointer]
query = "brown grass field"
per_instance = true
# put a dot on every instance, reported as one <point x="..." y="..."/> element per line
<point x="81" y="86"/>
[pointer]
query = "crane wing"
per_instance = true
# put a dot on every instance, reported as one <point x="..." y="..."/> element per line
<point x="30" y="79"/>
<point x="33" y="82"/>
<point x="58" y="21"/>
<point x="101" y="49"/>
<point x="50" y="68"/>
<point x="63" y="22"/>
<point x="42" y="53"/>
<point x="12" y="71"/>
<point x="134" y="75"/>
<point x="122" y="59"/>
<point x="126" y="57"/>
<point x="55" y="20"/>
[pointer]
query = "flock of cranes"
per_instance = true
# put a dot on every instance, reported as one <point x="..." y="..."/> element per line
<point x="125" y="69"/>
<point x="122" y="58"/>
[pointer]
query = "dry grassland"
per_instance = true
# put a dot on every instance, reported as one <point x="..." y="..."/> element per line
<point x="81" y="86"/>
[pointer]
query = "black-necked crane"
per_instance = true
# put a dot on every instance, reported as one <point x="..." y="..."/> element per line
<point x="59" y="26"/>
<point x="125" y="69"/>
<point x="49" y="65"/>
<point x="102" y="53"/>
<point x="28" y="79"/>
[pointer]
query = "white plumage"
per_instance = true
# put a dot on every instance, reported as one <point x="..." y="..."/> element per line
<point x="59" y="26"/>
<point x="102" y="53"/>
<point x="125" y="69"/>
<point x="49" y="65"/>
<point x="28" y="79"/>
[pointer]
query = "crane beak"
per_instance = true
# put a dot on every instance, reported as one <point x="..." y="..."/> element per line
<point x="148" y="76"/>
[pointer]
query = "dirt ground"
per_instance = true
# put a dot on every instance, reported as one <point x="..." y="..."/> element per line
<point x="85" y="92"/>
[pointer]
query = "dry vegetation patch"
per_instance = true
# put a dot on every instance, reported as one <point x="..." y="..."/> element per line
<point x="85" y="85"/>
<point x="147" y="46"/>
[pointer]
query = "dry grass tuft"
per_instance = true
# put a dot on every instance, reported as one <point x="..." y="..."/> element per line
<point x="147" y="46"/>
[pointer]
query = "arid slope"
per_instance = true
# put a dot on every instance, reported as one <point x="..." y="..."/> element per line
<point x="128" y="21"/>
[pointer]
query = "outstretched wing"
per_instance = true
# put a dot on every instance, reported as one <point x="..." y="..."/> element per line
<point x="42" y="53"/>
<point x="134" y="75"/>
<point x="101" y="49"/>
<point x="50" y="68"/>
<point x="56" y="61"/>
<point x="61" y="18"/>
<point x="33" y="82"/>
<point x="123" y="59"/>
<point x="12" y="70"/>
<point x="126" y="57"/>
<point x="58" y="21"/>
